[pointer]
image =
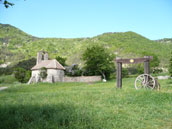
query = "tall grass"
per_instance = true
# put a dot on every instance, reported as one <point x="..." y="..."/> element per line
<point x="7" y="79"/>
<point x="85" y="106"/>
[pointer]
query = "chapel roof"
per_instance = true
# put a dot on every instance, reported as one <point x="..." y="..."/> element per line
<point x="49" y="64"/>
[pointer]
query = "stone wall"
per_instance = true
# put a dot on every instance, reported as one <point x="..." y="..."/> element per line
<point x="58" y="76"/>
<point x="83" y="79"/>
<point x="52" y="75"/>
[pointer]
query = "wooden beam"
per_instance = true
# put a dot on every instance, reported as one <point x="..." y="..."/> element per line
<point x="134" y="60"/>
<point x="146" y="66"/>
<point x="119" y="75"/>
<point x="120" y="61"/>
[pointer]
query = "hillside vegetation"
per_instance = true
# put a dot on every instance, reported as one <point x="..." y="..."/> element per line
<point x="165" y="40"/>
<point x="127" y="44"/>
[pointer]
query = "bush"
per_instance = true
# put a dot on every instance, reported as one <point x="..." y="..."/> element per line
<point x="157" y="70"/>
<point x="73" y="70"/>
<point x="140" y="69"/>
<point x="22" y="75"/>
<point x="2" y="80"/>
<point x="88" y="72"/>
<point x="27" y="76"/>
<point x="153" y="63"/>
<point x="124" y="72"/>
<point x="6" y="71"/>
<point x="112" y="76"/>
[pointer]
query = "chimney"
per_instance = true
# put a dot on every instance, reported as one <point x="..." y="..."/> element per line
<point x="45" y="55"/>
<point x="39" y="57"/>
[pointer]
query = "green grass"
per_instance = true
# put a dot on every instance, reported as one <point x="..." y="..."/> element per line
<point x="7" y="79"/>
<point x="86" y="106"/>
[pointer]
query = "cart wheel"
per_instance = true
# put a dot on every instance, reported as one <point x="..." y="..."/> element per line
<point x="145" y="81"/>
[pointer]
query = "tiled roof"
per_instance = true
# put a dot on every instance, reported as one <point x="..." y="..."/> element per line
<point x="49" y="64"/>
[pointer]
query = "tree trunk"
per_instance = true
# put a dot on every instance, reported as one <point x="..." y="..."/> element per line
<point x="104" y="77"/>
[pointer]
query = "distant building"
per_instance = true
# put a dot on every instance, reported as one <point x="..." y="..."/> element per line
<point x="55" y="71"/>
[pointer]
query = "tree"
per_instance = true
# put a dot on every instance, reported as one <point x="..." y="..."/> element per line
<point x="98" y="61"/>
<point x="170" y="66"/>
<point x="26" y="64"/>
<point x="154" y="64"/>
<point x="61" y="60"/>
<point x="6" y="3"/>
<point x="22" y="75"/>
<point x="73" y="70"/>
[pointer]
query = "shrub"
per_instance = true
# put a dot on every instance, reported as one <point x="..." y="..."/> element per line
<point x="73" y="70"/>
<point x="2" y="80"/>
<point x="6" y="71"/>
<point x="124" y="72"/>
<point x="22" y="75"/>
<point x="140" y="69"/>
<point x="153" y="63"/>
<point x="157" y="70"/>
<point x="112" y="76"/>
<point x="88" y="72"/>
<point x="27" y="76"/>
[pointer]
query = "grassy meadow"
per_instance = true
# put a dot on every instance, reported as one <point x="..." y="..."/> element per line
<point x="85" y="106"/>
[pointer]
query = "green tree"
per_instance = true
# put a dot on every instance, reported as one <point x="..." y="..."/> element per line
<point x="22" y="75"/>
<point x="153" y="63"/>
<point x="170" y="66"/>
<point x="73" y="70"/>
<point x="98" y="61"/>
<point x="61" y="60"/>
<point x="26" y="64"/>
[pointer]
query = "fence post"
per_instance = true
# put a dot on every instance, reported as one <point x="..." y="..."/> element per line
<point x="119" y="75"/>
<point x="146" y="65"/>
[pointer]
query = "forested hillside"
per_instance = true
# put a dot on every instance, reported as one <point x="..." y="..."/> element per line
<point x="165" y="40"/>
<point x="16" y="45"/>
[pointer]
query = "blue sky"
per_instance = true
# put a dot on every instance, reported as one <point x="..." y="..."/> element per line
<point x="88" y="18"/>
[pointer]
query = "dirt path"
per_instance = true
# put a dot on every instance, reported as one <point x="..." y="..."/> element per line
<point x="3" y="88"/>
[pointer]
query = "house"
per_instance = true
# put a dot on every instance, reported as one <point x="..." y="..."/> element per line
<point x="54" y="70"/>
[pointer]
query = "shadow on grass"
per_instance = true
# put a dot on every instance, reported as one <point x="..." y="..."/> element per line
<point x="43" y="117"/>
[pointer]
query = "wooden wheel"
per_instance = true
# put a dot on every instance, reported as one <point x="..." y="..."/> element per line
<point x="145" y="81"/>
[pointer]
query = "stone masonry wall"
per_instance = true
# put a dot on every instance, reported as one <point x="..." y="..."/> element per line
<point x="83" y="79"/>
<point x="58" y="75"/>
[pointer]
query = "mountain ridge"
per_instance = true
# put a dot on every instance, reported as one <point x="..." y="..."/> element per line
<point x="123" y="44"/>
